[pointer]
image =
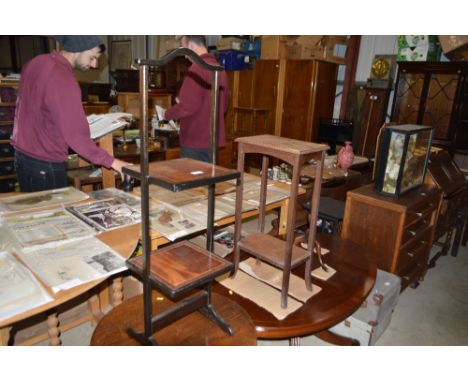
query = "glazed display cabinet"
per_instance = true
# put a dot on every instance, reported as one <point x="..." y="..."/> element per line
<point x="434" y="94"/>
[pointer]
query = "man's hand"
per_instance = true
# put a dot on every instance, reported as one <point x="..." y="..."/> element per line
<point x="118" y="164"/>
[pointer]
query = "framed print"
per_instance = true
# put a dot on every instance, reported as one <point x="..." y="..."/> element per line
<point x="121" y="55"/>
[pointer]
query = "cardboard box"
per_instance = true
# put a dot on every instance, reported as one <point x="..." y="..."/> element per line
<point x="336" y="48"/>
<point x="418" y="48"/>
<point x="304" y="52"/>
<point x="449" y="43"/>
<point x="172" y="43"/>
<point x="229" y="43"/>
<point x="326" y="48"/>
<point x="413" y="41"/>
<point x="274" y="47"/>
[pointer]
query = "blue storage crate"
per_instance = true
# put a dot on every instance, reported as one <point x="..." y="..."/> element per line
<point x="231" y="59"/>
<point x="251" y="48"/>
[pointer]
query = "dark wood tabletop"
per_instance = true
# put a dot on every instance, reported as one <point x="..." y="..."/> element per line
<point x="341" y="295"/>
<point x="193" y="329"/>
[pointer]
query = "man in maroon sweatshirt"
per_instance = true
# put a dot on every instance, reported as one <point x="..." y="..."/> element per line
<point x="49" y="116"/>
<point x="193" y="108"/>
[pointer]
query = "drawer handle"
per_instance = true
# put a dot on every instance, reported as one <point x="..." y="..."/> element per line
<point x="406" y="278"/>
<point x="431" y="206"/>
<point x="410" y="254"/>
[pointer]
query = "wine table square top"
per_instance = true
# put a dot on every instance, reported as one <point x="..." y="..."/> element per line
<point x="183" y="173"/>
<point x="180" y="267"/>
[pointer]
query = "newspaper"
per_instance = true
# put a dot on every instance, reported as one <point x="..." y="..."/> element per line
<point x="102" y="124"/>
<point x="119" y="195"/>
<point x="19" y="290"/>
<point x="67" y="264"/>
<point x="174" y="198"/>
<point x="274" y="194"/>
<point x="41" y="199"/>
<point x="42" y="227"/>
<point x="106" y="214"/>
<point x="224" y="207"/>
<point x="171" y="222"/>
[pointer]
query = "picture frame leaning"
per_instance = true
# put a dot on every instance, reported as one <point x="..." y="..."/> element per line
<point x="121" y="54"/>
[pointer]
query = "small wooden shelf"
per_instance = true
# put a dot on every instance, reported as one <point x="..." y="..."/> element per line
<point x="181" y="267"/>
<point x="256" y="243"/>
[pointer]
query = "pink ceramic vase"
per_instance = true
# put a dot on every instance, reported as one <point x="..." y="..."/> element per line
<point x="345" y="156"/>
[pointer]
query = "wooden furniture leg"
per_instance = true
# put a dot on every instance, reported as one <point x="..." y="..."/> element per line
<point x="283" y="218"/>
<point x="336" y="339"/>
<point x="295" y="341"/>
<point x="117" y="291"/>
<point x="465" y="235"/>
<point x="462" y="216"/>
<point x="53" y="329"/>
<point x="5" y="335"/>
<point x="95" y="307"/>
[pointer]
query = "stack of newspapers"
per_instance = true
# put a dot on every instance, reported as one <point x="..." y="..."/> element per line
<point x="102" y="124"/>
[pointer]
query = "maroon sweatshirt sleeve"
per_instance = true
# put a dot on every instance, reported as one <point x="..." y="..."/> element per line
<point x="64" y="101"/>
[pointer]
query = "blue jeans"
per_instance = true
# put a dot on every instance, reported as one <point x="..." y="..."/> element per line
<point x="197" y="154"/>
<point x="38" y="175"/>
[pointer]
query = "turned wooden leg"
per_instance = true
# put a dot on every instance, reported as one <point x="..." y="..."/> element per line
<point x="5" y="336"/>
<point x="283" y="218"/>
<point x="336" y="339"/>
<point x="53" y="330"/>
<point x="95" y="308"/>
<point x="295" y="341"/>
<point x="117" y="291"/>
<point x="274" y="228"/>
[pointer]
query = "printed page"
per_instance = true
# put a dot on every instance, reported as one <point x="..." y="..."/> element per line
<point x="19" y="290"/>
<point x="34" y="200"/>
<point x="102" y="124"/>
<point x="31" y="229"/>
<point x="119" y="195"/>
<point x="106" y="214"/>
<point x="68" y="264"/>
<point x="172" y="222"/>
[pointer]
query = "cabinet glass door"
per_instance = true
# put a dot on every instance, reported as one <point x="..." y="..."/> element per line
<point x="408" y="98"/>
<point x="439" y="104"/>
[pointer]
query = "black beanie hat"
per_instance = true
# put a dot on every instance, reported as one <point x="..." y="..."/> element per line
<point x="78" y="43"/>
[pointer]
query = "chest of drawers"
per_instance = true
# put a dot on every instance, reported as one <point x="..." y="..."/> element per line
<point x="399" y="231"/>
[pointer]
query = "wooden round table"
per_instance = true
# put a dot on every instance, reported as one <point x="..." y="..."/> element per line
<point x="341" y="295"/>
<point x="193" y="329"/>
